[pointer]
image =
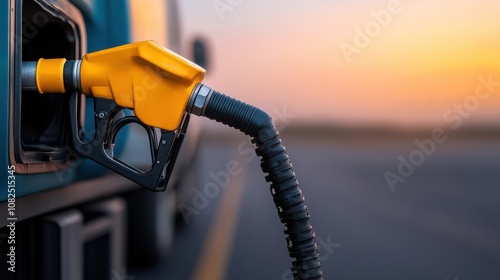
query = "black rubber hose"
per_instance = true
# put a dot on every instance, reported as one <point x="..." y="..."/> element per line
<point x="276" y="164"/>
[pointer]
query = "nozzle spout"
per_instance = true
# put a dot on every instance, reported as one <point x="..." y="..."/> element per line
<point x="28" y="76"/>
<point x="56" y="75"/>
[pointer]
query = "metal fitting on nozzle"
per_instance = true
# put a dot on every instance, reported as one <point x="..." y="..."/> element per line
<point x="199" y="99"/>
<point x="28" y="76"/>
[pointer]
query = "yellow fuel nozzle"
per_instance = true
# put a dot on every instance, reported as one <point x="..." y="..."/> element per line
<point x="146" y="77"/>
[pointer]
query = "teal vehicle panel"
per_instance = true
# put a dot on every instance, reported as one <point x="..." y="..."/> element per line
<point x="107" y="22"/>
<point x="4" y="92"/>
<point x="25" y="183"/>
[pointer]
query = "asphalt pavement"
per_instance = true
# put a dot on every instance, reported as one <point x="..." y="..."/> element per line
<point x="383" y="206"/>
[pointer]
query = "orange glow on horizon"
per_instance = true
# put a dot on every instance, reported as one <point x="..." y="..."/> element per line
<point x="427" y="58"/>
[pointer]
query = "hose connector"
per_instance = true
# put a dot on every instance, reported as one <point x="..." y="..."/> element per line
<point x="199" y="99"/>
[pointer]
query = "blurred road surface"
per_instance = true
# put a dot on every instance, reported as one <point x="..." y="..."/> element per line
<point x="442" y="222"/>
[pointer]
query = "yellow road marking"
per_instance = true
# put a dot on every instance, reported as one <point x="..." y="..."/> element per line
<point x="212" y="265"/>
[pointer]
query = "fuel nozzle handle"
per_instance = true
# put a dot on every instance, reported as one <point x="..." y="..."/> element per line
<point x="146" y="77"/>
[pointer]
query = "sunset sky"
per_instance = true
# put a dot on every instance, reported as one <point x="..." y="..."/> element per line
<point x="409" y="68"/>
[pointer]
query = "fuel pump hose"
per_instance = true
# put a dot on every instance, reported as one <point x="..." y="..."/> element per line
<point x="275" y="162"/>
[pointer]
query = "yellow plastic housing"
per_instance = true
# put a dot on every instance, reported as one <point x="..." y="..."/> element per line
<point x="49" y="75"/>
<point x="143" y="76"/>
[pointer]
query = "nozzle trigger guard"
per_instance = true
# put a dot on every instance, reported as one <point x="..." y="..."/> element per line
<point x="108" y="123"/>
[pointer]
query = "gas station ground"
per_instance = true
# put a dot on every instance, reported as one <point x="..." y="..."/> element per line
<point x="436" y="217"/>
